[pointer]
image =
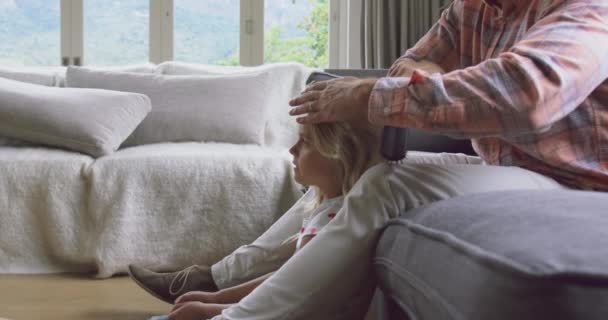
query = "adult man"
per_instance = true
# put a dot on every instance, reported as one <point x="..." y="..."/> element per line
<point x="526" y="79"/>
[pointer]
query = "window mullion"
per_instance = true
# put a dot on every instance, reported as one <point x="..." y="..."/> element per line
<point x="251" y="46"/>
<point x="353" y="31"/>
<point x="71" y="32"/>
<point x="77" y="32"/>
<point x="167" y="30"/>
<point x="161" y="30"/>
<point x="66" y="29"/>
<point x="155" y="25"/>
<point x="334" y="33"/>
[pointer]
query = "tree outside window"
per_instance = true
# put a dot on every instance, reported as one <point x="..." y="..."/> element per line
<point x="305" y="41"/>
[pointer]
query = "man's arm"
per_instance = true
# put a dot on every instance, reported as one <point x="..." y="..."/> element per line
<point x="438" y="51"/>
<point x="544" y="77"/>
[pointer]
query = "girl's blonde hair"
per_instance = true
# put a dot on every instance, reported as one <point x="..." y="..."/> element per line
<point x="355" y="149"/>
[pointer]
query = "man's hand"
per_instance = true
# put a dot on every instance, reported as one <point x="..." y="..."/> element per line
<point x="404" y="67"/>
<point x="342" y="99"/>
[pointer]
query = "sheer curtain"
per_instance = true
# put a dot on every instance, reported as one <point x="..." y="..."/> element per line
<point x="390" y="27"/>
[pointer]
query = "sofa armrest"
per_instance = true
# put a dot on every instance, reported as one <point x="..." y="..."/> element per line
<point x="479" y="256"/>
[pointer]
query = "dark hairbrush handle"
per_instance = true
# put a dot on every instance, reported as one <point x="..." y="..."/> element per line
<point x="394" y="142"/>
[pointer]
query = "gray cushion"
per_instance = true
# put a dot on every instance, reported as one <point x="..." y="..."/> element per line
<point x="500" y="255"/>
<point x="90" y="121"/>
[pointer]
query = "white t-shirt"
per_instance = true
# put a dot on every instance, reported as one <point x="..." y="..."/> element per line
<point x="322" y="215"/>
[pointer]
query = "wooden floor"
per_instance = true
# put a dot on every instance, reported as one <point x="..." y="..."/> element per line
<point x="75" y="297"/>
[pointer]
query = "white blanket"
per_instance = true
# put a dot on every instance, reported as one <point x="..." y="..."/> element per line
<point x="165" y="206"/>
<point x="43" y="217"/>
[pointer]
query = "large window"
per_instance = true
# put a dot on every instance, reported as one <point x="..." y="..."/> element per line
<point x="296" y="30"/>
<point x="206" y="31"/>
<point x="30" y="32"/>
<point x="118" y="32"/>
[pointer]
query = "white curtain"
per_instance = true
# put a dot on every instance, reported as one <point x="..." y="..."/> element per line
<point x="390" y="27"/>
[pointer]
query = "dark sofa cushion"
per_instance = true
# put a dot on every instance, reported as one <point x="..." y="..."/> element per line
<point x="499" y="255"/>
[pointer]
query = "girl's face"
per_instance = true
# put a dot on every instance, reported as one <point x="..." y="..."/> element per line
<point x="312" y="168"/>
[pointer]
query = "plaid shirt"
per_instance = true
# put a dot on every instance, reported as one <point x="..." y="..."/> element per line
<point x="528" y="84"/>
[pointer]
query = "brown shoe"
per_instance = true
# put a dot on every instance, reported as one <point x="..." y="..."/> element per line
<point x="169" y="286"/>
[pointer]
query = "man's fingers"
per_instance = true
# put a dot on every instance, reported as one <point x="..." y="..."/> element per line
<point x="300" y="110"/>
<point x="312" y="118"/>
<point x="304" y="98"/>
<point x="316" y="86"/>
<point x="396" y="71"/>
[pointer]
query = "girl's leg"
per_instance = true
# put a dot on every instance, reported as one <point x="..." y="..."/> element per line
<point x="265" y="254"/>
<point x="334" y="270"/>
<point x="247" y="262"/>
<point x="226" y="295"/>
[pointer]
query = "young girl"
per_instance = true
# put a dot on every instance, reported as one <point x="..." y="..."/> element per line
<point x="329" y="158"/>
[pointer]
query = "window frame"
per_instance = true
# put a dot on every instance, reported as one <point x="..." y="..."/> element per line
<point x="161" y="26"/>
<point x="71" y="32"/>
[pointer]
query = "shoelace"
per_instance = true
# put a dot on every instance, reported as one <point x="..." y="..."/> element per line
<point x="180" y="276"/>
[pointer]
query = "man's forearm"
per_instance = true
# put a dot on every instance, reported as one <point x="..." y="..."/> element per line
<point x="402" y="68"/>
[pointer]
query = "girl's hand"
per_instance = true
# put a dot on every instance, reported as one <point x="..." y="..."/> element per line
<point x="336" y="100"/>
<point x="194" y="311"/>
<point x="200" y="296"/>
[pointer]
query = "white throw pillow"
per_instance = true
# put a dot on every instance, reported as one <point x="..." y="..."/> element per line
<point x="288" y="80"/>
<point x="55" y="76"/>
<point x="189" y="108"/>
<point x="137" y="68"/>
<point x="90" y="121"/>
<point x="186" y="68"/>
<point x="46" y="76"/>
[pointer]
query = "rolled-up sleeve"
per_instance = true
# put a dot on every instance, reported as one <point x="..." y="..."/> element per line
<point x="547" y="74"/>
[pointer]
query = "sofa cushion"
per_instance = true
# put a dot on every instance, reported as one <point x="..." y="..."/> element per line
<point x="166" y="206"/>
<point x="55" y="76"/>
<point x="288" y="80"/>
<point x="137" y="68"/>
<point x="46" y="76"/>
<point x="500" y="255"/>
<point x="90" y="121"/>
<point x="228" y="108"/>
